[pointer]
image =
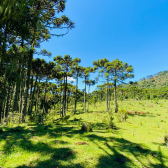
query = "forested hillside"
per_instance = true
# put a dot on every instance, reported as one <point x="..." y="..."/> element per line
<point x="154" y="81"/>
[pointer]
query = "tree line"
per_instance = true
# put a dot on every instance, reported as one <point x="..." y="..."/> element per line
<point x="24" y="25"/>
<point x="129" y="91"/>
<point x="26" y="88"/>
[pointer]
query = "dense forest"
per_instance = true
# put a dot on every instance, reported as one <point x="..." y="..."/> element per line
<point x="34" y="91"/>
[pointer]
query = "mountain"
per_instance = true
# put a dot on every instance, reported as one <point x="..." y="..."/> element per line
<point x="154" y="81"/>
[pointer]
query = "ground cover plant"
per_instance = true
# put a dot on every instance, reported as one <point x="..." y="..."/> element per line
<point x="138" y="142"/>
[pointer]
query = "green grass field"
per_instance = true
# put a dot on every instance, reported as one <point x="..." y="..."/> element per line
<point x="138" y="142"/>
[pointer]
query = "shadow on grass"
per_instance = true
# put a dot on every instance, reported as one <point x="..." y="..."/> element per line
<point x="18" y="139"/>
<point x="78" y="112"/>
<point x="117" y="159"/>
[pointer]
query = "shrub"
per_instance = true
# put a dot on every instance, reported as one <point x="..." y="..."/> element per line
<point x="86" y="127"/>
<point x="111" y="123"/>
<point x="65" y="118"/>
<point x="123" y="114"/>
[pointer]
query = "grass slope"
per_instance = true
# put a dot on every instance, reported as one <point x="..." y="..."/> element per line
<point x="138" y="142"/>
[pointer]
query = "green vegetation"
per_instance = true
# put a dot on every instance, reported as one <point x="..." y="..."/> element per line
<point x="138" y="142"/>
<point x="44" y="120"/>
<point x="154" y="81"/>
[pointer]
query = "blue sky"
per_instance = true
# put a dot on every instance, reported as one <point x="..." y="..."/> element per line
<point x="134" y="31"/>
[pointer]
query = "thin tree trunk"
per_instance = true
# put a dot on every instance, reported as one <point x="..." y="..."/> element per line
<point x="63" y="105"/>
<point x="76" y="94"/>
<point x="65" y="96"/>
<point x="88" y="97"/>
<point x="109" y="100"/>
<point x="4" y="110"/>
<point x="17" y="91"/>
<point x="67" y="100"/>
<point x="115" y="97"/>
<point x="13" y="88"/>
<point x="61" y="112"/>
<point x="37" y="98"/>
<point x="5" y="91"/>
<point x="44" y="104"/>
<point x="7" y="102"/>
<point x="30" y="100"/>
<point x="85" y="96"/>
<point x="21" y="90"/>
<point x="107" y="94"/>
<point x="27" y="83"/>
<point x="31" y="108"/>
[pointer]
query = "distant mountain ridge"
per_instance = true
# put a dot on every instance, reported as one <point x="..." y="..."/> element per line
<point x="154" y="81"/>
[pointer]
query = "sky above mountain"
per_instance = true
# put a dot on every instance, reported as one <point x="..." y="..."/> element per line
<point x="134" y="31"/>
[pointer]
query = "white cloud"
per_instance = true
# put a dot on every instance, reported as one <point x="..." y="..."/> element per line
<point x="70" y="79"/>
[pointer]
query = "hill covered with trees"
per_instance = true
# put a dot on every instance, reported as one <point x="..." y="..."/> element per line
<point x="154" y="81"/>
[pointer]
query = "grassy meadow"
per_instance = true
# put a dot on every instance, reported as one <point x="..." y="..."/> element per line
<point x="138" y="142"/>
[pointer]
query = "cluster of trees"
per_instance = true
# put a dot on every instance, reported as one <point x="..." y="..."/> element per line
<point x="129" y="91"/>
<point x="25" y="82"/>
<point x="24" y="25"/>
<point x="115" y="71"/>
<point x="134" y="92"/>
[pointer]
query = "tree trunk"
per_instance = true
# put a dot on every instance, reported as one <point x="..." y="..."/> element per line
<point x="31" y="107"/>
<point x="37" y="98"/>
<point x="60" y="99"/>
<point x="68" y="95"/>
<point x="13" y="88"/>
<point x="7" y="102"/>
<point x="17" y="91"/>
<point x="4" y="109"/>
<point x="76" y="94"/>
<point x="61" y="111"/>
<point x="44" y="103"/>
<point x="88" y="97"/>
<point x="109" y="100"/>
<point x="85" y="96"/>
<point x="27" y="84"/>
<point x="65" y="96"/>
<point x="63" y="105"/>
<point x="30" y="100"/>
<point x="21" y="91"/>
<point x="115" y="97"/>
<point x="107" y="94"/>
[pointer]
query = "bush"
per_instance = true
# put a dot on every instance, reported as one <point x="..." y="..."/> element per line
<point x="123" y="114"/>
<point x="65" y="118"/>
<point x="86" y="127"/>
<point x="111" y="123"/>
<point x="108" y="120"/>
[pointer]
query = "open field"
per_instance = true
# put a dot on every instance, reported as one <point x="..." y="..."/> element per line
<point x="138" y="142"/>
